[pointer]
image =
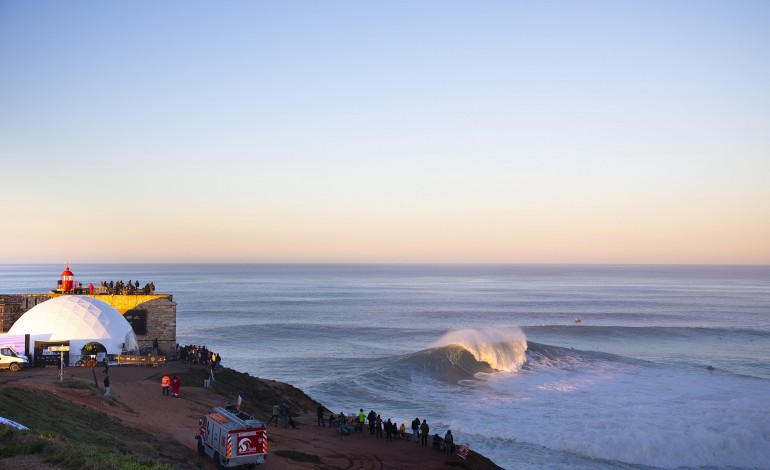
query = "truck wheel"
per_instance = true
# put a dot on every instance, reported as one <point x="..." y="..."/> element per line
<point x="14" y="367"/>
<point x="219" y="460"/>
<point x="201" y="449"/>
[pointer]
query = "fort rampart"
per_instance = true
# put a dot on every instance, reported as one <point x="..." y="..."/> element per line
<point x="152" y="316"/>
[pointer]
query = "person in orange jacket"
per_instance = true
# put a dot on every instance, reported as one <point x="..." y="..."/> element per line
<point x="165" y="383"/>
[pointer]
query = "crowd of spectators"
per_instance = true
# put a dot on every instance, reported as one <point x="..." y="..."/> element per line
<point x="379" y="427"/>
<point x="199" y="355"/>
<point x="121" y="287"/>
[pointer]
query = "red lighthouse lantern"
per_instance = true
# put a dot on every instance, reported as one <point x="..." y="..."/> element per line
<point x="67" y="281"/>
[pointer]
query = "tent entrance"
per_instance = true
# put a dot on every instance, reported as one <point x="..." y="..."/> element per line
<point x="91" y="354"/>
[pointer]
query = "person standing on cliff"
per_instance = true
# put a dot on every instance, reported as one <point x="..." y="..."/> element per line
<point x="165" y="383"/>
<point x="389" y="430"/>
<point x="449" y="441"/>
<point x="284" y="415"/>
<point x="371" y="417"/>
<point x="320" y="414"/>
<point x="276" y="413"/>
<point x="416" y="430"/>
<point x="424" y="429"/>
<point x="175" y="384"/>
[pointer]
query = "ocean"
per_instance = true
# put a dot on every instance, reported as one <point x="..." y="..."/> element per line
<point x="669" y="366"/>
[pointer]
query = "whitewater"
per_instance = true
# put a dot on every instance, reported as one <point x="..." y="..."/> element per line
<point x="669" y="366"/>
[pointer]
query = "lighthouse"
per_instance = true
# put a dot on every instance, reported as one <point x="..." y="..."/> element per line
<point x="67" y="281"/>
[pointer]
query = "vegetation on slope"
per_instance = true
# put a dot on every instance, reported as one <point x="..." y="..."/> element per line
<point x="72" y="436"/>
<point x="258" y="395"/>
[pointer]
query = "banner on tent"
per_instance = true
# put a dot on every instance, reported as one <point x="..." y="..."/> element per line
<point x="44" y="356"/>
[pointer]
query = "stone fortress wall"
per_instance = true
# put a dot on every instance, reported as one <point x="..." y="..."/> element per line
<point x="151" y="316"/>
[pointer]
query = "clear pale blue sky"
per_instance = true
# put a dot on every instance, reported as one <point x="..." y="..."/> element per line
<point x="385" y="131"/>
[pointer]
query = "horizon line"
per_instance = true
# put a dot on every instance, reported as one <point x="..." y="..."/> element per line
<point x="374" y="263"/>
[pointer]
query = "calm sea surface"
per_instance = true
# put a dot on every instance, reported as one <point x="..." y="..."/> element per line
<point x="668" y="368"/>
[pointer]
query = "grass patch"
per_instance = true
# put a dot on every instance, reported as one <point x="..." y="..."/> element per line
<point x="258" y="396"/>
<point x="299" y="456"/>
<point x="77" y="385"/>
<point x="96" y="392"/>
<point x="68" y="455"/>
<point x="72" y="436"/>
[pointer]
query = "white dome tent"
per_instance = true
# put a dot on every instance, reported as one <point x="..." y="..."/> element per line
<point x="81" y="320"/>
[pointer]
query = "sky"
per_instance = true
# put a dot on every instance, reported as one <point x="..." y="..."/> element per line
<point x="385" y="132"/>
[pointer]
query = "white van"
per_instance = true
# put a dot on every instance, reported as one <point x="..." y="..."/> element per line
<point x="11" y="360"/>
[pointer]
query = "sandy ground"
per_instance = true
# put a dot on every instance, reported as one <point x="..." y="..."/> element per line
<point x="137" y="391"/>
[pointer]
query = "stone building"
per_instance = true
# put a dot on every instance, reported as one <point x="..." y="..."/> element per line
<point x="152" y="316"/>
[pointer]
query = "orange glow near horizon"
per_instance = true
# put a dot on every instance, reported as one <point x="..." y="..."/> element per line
<point x="609" y="235"/>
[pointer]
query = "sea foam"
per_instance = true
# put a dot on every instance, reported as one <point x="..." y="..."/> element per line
<point x="504" y="349"/>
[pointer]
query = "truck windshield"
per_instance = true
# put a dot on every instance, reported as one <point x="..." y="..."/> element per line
<point x="7" y="351"/>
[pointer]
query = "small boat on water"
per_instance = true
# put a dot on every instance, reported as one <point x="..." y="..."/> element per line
<point x="578" y="320"/>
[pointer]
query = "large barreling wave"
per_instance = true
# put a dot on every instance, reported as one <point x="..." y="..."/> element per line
<point x="461" y="354"/>
<point x="503" y="349"/>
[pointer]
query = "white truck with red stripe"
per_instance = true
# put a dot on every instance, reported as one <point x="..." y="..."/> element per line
<point x="232" y="438"/>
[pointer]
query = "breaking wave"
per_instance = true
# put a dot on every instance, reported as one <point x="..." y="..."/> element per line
<point x="463" y="354"/>
<point x="447" y="363"/>
<point x="503" y="349"/>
